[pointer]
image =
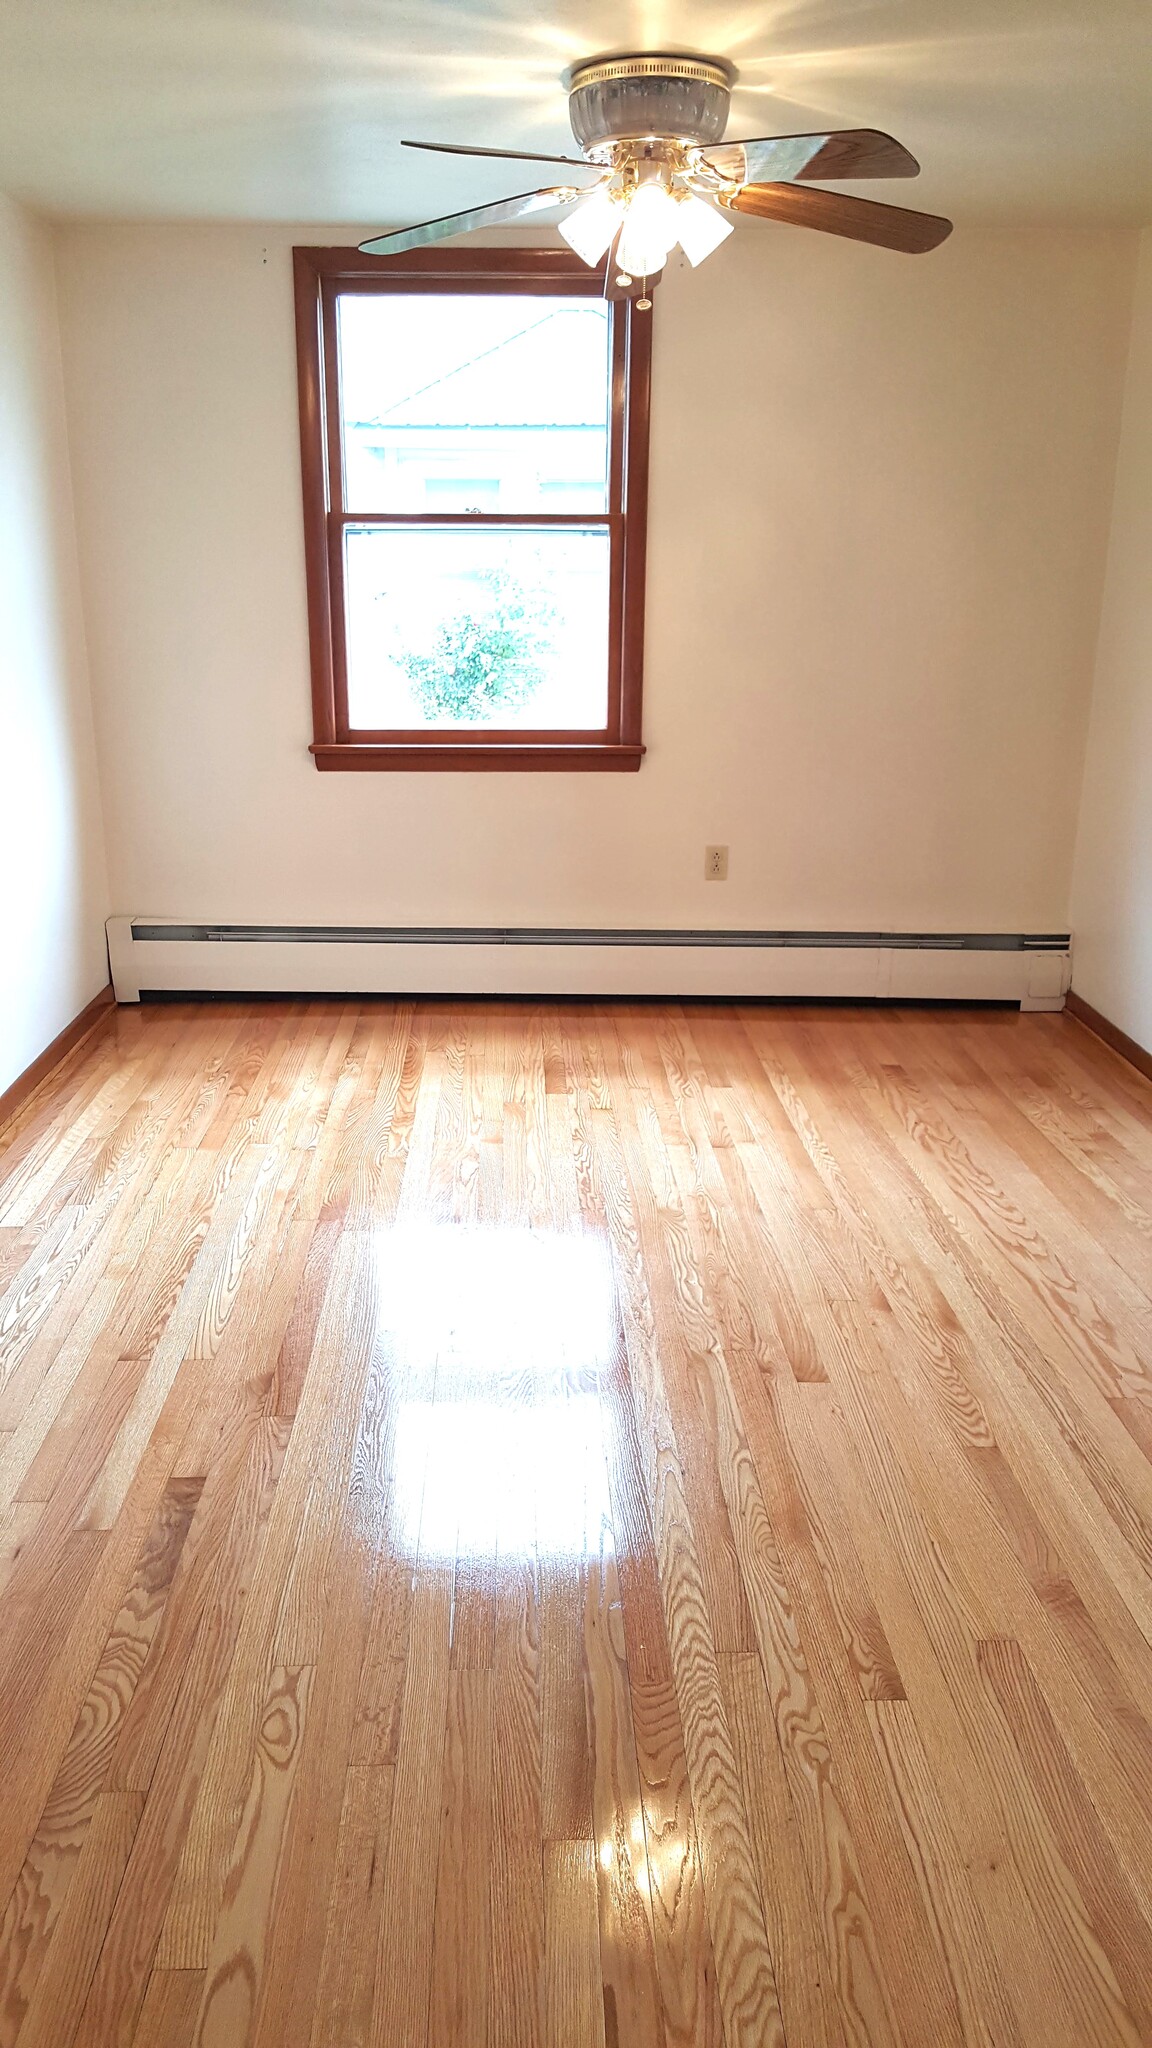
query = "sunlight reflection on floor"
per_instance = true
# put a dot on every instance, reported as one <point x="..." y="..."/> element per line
<point x="499" y="1336"/>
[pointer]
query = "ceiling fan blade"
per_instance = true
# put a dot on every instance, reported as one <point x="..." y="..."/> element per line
<point x="834" y="213"/>
<point x="520" y="156"/>
<point x="496" y="215"/>
<point x="846" y="153"/>
<point x="862" y="153"/>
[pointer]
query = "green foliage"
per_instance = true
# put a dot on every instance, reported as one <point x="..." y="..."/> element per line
<point x="485" y="660"/>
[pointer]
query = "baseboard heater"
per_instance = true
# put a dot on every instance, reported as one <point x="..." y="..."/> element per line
<point x="170" y="956"/>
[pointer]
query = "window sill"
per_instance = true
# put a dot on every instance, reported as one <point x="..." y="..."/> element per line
<point x="503" y="755"/>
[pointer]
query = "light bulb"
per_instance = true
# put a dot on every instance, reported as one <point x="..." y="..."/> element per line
<point x="651" y="226"/>
<point x="590" y="229"/>
<point x="700" y="228"/>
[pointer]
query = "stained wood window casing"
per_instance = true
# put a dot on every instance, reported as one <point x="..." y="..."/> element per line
<point x="322" y="277"/>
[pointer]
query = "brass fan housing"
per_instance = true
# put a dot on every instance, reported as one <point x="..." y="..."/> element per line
<point x="651" y="96"/>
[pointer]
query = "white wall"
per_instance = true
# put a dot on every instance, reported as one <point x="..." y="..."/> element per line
<point x="53" y="884"/>
<point x="1112" y="887"/>
<point x="880" y="489"/>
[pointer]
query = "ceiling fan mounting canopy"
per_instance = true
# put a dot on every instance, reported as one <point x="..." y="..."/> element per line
<point x="649" y="94"/>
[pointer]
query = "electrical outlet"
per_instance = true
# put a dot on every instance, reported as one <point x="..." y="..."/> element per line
<point x="715" y="863"/>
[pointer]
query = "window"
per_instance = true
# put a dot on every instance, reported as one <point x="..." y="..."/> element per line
<point x="474" y="432"/>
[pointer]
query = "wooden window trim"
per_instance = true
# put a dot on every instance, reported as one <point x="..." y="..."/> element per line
<point x="320" y="275"/>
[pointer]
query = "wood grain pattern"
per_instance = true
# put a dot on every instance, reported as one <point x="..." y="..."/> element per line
<point x="834" y="213"/>
<point x="60" y="1844"/>
<point x="171" y="2004"/>
<point x="527" y="1525"/>
<point x="234" y="1972"/>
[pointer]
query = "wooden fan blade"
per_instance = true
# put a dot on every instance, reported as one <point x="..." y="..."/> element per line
<point x="519" y="156"/>
<point x="496" y="215"/>
<point x="846" y="153"/>
<point x="833" y="213"/>
<point x="861" y="153"/>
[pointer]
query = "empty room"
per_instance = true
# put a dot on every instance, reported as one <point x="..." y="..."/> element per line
<point x="575" y="1024"/>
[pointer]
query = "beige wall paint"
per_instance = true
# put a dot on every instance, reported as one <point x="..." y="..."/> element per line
<point x="53" y="884"/>
<point x="880" y="490"/>
<point x="1112" y="887"/>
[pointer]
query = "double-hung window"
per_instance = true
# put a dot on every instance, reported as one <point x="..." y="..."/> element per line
<point x="474" y="435"/>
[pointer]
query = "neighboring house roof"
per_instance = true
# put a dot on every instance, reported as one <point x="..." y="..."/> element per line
<point x="552" y="366"/>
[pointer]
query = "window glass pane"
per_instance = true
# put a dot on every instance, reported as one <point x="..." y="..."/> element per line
<point x="462" y="402"/>
<point x="477" y="627"/>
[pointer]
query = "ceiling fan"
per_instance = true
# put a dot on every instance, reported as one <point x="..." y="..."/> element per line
<point x="651" y="128"/>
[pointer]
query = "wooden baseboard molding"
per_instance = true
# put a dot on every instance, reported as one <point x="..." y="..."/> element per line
<point x="95" y="1015"/>
<point x="1128" y="1048"/>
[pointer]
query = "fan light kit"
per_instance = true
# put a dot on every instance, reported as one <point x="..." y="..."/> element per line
<point x="651" y="129"/>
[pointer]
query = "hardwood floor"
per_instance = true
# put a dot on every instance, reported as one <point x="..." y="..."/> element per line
<point x="579" y="1526"/>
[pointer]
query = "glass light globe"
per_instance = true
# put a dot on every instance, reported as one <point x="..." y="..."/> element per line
<point x="651" y="228"/>
<point x="590" y="227"/>
<point x="700" y="228"/>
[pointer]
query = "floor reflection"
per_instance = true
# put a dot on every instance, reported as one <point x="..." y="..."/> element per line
<point x="473" y="1478"/>
<point x="499" y="1337"/>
